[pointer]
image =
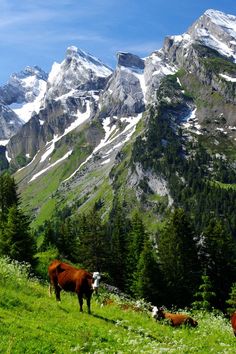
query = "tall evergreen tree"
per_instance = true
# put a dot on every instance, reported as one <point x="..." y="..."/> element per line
<point x="148" y="282"/>
<point x="136" y="238"/>
<point x="16" y="240"/>
<point x="93" y="245"/>
<point x="67" y="240"/>
<point x="218" y="257"/>
<point x="49" y="236"/>
<point x="118" y="229"/>
<point x="8" y="195"/>
<point x="178" y="258"/>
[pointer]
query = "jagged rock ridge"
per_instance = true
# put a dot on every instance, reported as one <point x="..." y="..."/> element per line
<point x="103" y="106"/>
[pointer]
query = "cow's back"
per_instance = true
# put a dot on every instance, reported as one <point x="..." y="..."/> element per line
<point x="73" y="279"/>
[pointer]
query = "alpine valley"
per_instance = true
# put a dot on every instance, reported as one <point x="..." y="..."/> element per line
<point x="155" y="133"/>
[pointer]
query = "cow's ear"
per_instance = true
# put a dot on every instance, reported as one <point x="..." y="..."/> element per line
<point x="59" y="268"/>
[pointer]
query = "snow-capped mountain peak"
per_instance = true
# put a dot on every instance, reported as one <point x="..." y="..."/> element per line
<point x="222" y="19"/>
<point x="29" y="71"/>
<point x="88" y="61"/>
<point x="216" y="30"/>
<point x="24" y="91"/>
<point x="78" y="70"/>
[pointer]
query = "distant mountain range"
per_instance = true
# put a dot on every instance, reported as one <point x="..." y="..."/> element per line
<point x="80" y="133"/>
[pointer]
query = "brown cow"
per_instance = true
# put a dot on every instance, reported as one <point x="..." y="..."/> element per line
<point x="233" y="322"/>
<point x="63" y="276"/>
<point x="175" y="319"/>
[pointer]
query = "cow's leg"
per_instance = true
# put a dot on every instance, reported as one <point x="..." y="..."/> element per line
<point x="57" y="292"/>
<point x="88" y="303"/>
<point x="80" y="298"/>
<point x="50" y="289"/>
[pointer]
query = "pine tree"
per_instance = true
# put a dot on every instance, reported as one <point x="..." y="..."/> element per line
<point x="219" y="259"/>
<point x="49" y="236"/>
<point x="16" y="240"/>
<point x="205" y="295"/>
<point x="232" y="300"/>
<point x="136" y="238"/>
<point x="67" y="241"/>
<point x="8" y="195"/>
<point x="93" y="244"/>
<point x="117" y="230"/>
<point x="178" y="258"/>
<point x="148" y="282"/>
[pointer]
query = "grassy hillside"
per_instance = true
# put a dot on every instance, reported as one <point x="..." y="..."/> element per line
<point x="31" y="322"/>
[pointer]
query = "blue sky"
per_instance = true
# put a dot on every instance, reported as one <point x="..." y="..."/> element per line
<point x="37" y="32"/>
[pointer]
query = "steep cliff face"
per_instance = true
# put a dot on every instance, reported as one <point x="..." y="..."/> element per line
<point x="70" y="97"/>
<point x="124" y="94"/>
<point x="207" y="50"/>
<point x="9" y="122"/>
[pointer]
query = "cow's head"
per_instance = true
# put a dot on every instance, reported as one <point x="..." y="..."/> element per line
<point x="96" y="279"/>
<point x="158" y="312"/>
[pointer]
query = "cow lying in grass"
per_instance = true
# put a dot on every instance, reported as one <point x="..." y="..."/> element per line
<point x="175" y="319"/>
<point x="63" y="276"/>
<point x="233" y="322"/>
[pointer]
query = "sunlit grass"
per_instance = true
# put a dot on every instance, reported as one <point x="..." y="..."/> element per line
<point x="32" y="322"/>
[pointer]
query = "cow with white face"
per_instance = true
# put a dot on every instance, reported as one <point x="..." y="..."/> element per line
<point x="96" y="280"/>
<point x="63" y="276"/>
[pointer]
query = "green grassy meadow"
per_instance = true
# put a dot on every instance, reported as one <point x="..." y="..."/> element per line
<point x="32" y="322"/>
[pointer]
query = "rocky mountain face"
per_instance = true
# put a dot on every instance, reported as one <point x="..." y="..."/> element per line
<point x="94" y="126"/>
<point x="20" y="97"/>
<point x="9" y="122"/>
<point x="125" y="90"/>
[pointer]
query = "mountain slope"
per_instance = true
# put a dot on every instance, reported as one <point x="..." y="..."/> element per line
<point x="115" y="325"/>
<point x="133" y="133"/>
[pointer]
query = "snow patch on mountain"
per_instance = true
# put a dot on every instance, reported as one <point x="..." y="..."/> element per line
<point x="55" y="71"/>
<point x="25" y="110"/>
<point x="190" y="122"/>
<point x="50" y="146"/>
<point x="4" y="142"/>
<point x="81" y="118"/>
<point x="228" y="78"/>
<point x="51" y="165"/>
<point x="109" y="138"/>
<point x="223" y="20"/>
<point x="216" y="30"/>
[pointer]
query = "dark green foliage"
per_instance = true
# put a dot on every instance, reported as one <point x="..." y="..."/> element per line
<point x="21" y="160"/>
<point x="231" y="302"/>
<point x="49" y="236"/>
<point x="205" y="295"/>
<point x="187" y="166"/>
<point x="67" y="240"/>
<point x="218" y="258"/>
<point x="148" y="282"/>
<point x="118" y="228"/>
<point x="16" y="240"/>
<point x="4" y="164"/>
<point x="93" y="244"/>
<point x="178" y="258"/>
<point x="219" y="65"/>
<point x="8" y="194"/>
<point x="136" y="238"/>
